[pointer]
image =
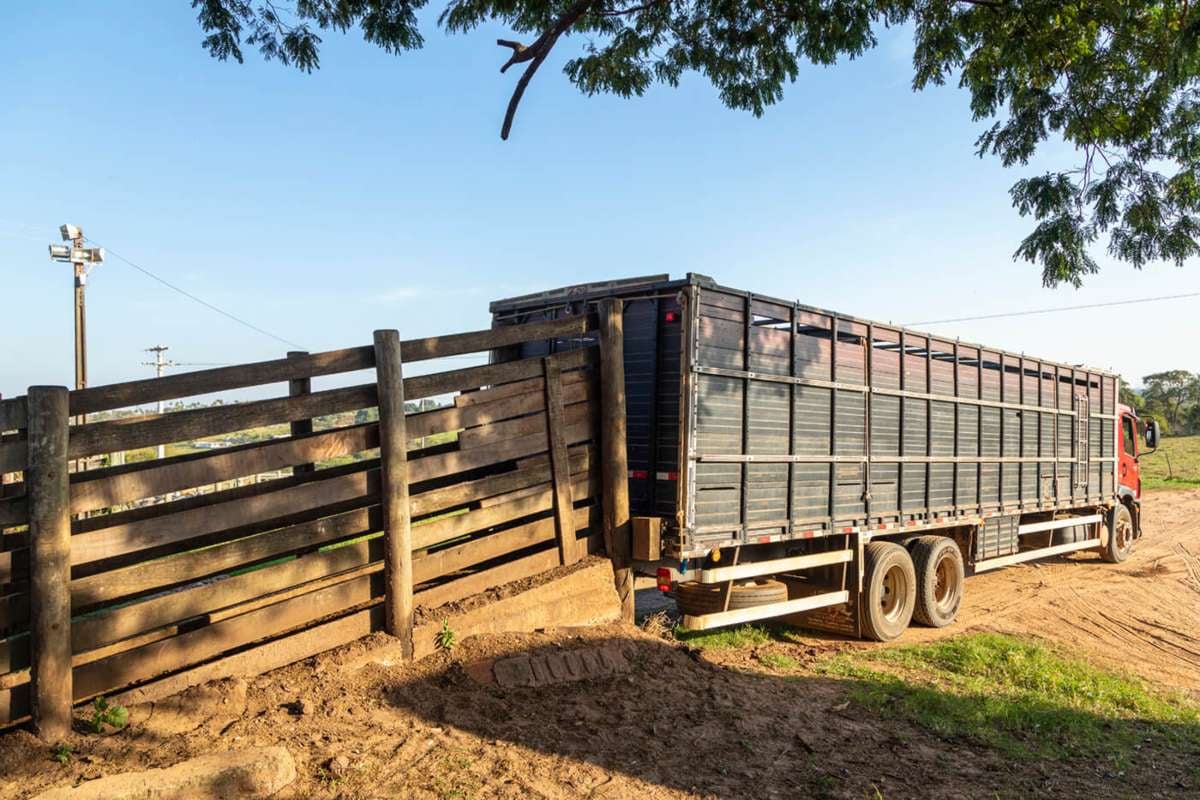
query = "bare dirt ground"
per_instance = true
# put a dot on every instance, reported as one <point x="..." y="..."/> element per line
<point x="1141" y="616"/>
<point x="679" y="723"/>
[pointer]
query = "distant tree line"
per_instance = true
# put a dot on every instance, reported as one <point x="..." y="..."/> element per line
<point x="1172" y="398"/>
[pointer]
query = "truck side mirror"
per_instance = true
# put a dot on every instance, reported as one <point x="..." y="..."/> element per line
<point x="1151" y="433"/>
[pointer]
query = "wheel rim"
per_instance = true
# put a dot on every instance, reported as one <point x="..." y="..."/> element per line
<point x="893" y="591"/>
<point x="1124" y="534"/>
<point x="944" y="580"/>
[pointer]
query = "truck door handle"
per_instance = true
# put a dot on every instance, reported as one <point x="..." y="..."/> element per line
<point x="1124" y="469"/>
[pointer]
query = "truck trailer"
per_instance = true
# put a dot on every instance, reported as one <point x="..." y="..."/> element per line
<point x="791" y="462"/>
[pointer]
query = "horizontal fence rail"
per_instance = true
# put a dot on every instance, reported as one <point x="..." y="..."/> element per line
<point x="305" y="517"/>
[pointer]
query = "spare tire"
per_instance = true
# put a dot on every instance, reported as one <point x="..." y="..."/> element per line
<point x="695" y="599"/>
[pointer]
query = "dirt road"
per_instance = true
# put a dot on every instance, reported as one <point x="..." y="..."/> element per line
<point x="1141" y="616"/>
<point x="678" y="724"/>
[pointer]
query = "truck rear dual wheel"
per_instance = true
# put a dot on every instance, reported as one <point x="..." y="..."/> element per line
<point x="940" y="576"/>
<point x="889" y="589"/>
<point x="1120" y="535"/>
<point x="695" y="599"/>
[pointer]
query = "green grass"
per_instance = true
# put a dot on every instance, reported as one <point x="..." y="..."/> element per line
<point x="1175" y="465"/>
<point x="726" y="638"/>
<point x="1018" y="696"/>
<point x="778" y="661"/>
<point x="735" y="638"/>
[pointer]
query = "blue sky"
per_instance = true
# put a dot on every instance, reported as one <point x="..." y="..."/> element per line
<point x="376" y="193"/>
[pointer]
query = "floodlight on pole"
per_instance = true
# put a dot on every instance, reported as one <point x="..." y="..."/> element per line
<point x="83" y="260"/>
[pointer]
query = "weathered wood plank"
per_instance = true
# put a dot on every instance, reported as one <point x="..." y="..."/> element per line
<point x="397" y="523"/>
<point x="13" y="414"/>
<point x="560" y="462"/>
<point x="14" y="611"/>
<point x="493" y="409"/>
<point x="529" y="475"/>
<point x="491" y="338"/>
<point x="452" y="527"/>
<point x="300" y="427"/>
<point x="14" y="511"/>
<point x="165" y="572"/>
<point x="144" y="534"/>
<point x="615" y="467"/>
<point x="136" y="481"/>
<point x="264" y="658"/>
<point x="483" y="580"/>
<point x="494" y="545"/>
<point x="219" y="379"/>
<point x="486" y="435"/>
<point x="459" y="380"/>
<point x="437" y="466"/>
<point x="99" y="677"/>
<point x="50" y="562"/>
<point x="178" y="426"/>
<point x="94" y="631"/>
<point x="14" y="455"/>
<point x="98" y="630"/>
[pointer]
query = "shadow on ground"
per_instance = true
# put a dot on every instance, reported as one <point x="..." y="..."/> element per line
<point x="678" y="721"/>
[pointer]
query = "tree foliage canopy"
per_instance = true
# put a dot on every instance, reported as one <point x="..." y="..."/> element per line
<point x="1117" y="79"/>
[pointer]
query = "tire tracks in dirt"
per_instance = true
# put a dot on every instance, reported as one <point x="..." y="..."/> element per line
<point x="1141" y="616"/>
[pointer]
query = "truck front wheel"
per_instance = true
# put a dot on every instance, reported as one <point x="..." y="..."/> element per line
<point x="940" y="577"/>
<point x="1120" y="535"/>
<point x="889" y="589"/>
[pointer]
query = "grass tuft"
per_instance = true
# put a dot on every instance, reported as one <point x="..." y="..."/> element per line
<point x="1016" y="695"/>
<point x="726" y="638"/>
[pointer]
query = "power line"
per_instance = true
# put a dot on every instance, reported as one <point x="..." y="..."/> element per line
<point x="191" y="296"/>
<point x="1055" y="310"/>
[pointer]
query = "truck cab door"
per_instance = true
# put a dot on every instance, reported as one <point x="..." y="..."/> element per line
<point x="1128" y="475"/>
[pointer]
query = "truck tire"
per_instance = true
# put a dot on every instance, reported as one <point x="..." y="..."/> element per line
<point x="1120" y="535"/>
<point x="940" y="576"/>
<point x="889" y="591"/>
<point x="695" y="599"/>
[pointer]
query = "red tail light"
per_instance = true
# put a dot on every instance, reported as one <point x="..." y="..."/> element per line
<point x="664" y="579"/>
<point x="671" y="316"/>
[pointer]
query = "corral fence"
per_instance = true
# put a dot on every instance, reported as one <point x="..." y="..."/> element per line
<point x="236" y="559"/>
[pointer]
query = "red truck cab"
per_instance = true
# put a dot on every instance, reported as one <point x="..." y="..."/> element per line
<point x="1129" y="476"/>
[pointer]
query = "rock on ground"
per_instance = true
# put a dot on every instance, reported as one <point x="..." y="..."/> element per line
<point x="256" y="772"/>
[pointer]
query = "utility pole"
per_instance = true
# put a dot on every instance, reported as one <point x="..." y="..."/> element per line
<point x="82" y="260"/>
<point x="160" y="364"/>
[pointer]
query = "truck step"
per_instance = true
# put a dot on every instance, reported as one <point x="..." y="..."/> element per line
<point x="775" y="566"/>
<point x="706" y="621"/>
<point x="1030" y="555"/>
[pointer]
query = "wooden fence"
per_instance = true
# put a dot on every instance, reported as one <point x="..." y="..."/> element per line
<point x="161" y="571"/>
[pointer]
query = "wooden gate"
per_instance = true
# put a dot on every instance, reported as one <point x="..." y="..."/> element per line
<point x="255" y="551"/>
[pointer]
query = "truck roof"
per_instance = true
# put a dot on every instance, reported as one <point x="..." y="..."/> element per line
<point x="650" y="285"/>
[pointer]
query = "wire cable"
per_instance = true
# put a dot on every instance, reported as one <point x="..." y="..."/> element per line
<point x="1055" y="310"/>
<point x="191" y="296"/>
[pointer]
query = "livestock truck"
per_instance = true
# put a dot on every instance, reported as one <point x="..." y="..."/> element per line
<point x="791" y="462"/>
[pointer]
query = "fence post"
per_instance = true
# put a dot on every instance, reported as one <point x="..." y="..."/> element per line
<point x="49" y="562"/>
<point x="560" y="463"/>
<point x="296" y="388"/>
<point x="615" y="465"/>
<point x="397" y="528"/>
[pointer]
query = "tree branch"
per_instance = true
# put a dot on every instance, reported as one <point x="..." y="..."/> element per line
<point x="619" y="12"/>
<point x="536" y="53"/>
